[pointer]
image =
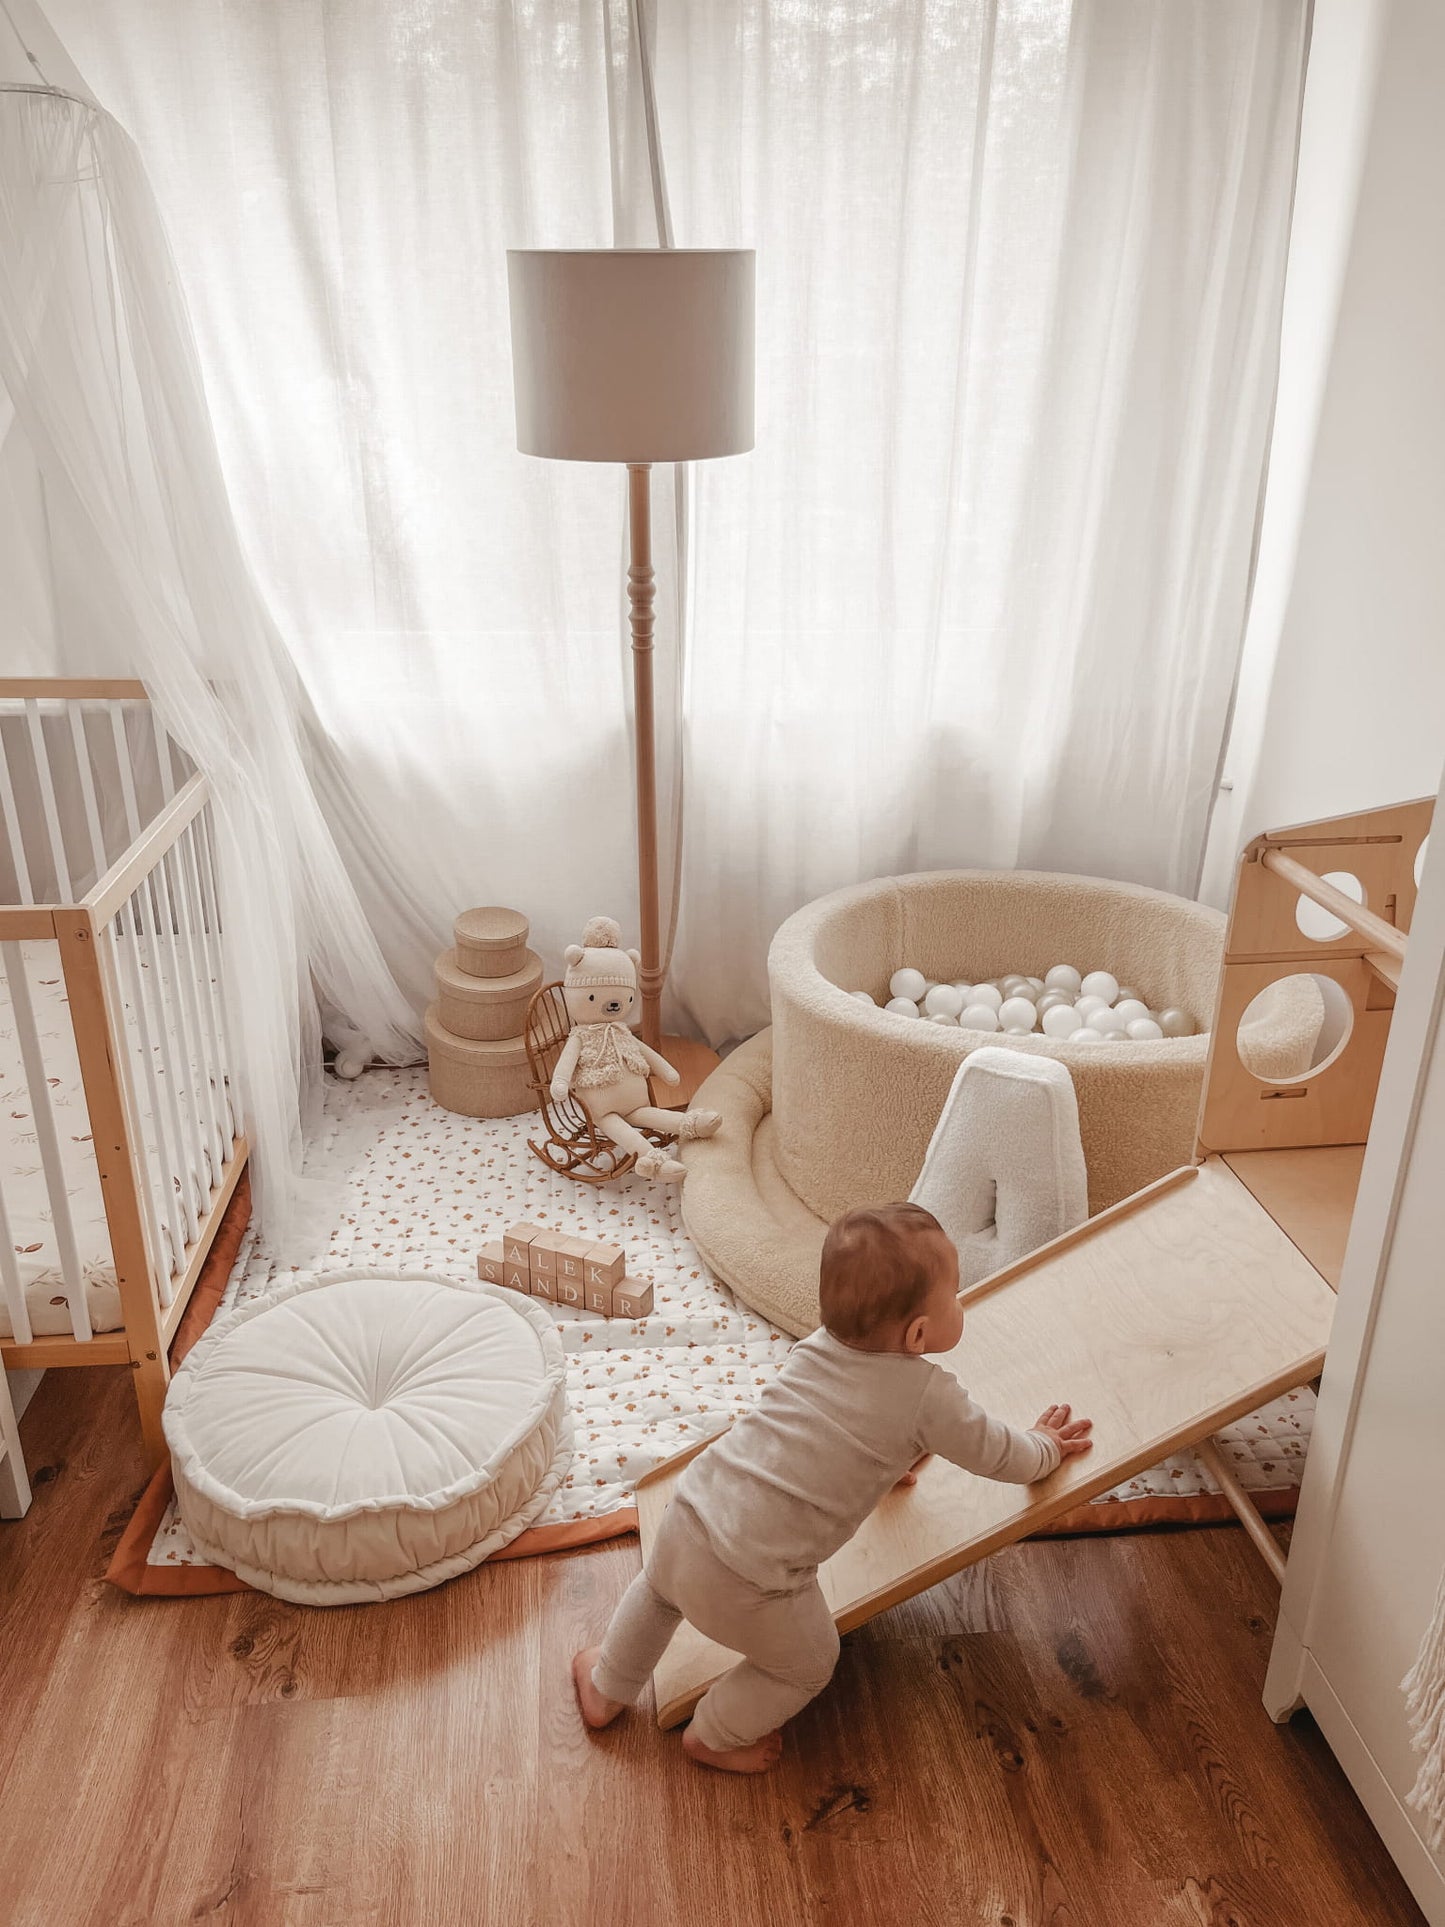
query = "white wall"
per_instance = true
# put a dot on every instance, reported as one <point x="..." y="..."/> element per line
<point x="1342" y="687"/>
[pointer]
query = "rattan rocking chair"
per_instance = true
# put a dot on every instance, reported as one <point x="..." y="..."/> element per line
<point x="571" y="1142"/>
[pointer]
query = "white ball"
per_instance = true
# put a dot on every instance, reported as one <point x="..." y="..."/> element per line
<point x="943" y="1017"/>
<point x="1062" y="1021"/>
<point x="1023" y="988"/>
<point x="902" y="1007"/>
<point x="1176" y="1023"/>
<point x="1109" y="1022"/>
<point x="1086" y="1006"/>
<point x="1099" y="983"/>
<point x="1037" y="982"/>
<point x="964" y="988"/>
<point x="1088" y="1035"/>
<point x="1051" y="997"/>
<point x="1144" y="1030"/>
<point x="1062" y="977"/>
<point x="1013" y="981"/>
<point x="989" y="994"/>
<point x="1129" y="1008"/>
<point x="863" y="996"/>
<point x="943" y="1001"/>
<point x="907" y="983"/>
<point x="1127" y="995"/>
<point x="1017" y="1013"/>
<point x="979" y="1017"/>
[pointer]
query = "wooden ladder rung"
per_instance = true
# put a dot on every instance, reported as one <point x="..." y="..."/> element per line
<point x="1246" y="1510"/>
<point x="1381" y="936"/>
<point x="1387" y="969"/>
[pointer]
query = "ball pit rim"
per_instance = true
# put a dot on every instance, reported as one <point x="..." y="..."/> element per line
<point x="793" y="948"/>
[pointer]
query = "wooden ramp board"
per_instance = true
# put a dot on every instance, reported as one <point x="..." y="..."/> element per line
<point x="1172" y="1314"/>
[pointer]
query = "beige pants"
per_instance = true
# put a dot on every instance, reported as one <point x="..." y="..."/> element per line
<point x="788" y="1641"/>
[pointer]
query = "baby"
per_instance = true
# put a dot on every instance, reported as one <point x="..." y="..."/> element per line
<point x="855" y="1411"/>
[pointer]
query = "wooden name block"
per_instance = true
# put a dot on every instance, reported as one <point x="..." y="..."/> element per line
<point x="516" y="1278"/>
<point x="604" y="1268"/>
<point x="598" y="1298"/>
<point x="571" y="1254"/>
<point x="491" y="1263"/>
<point x="544" y="1285"/>
<point x="632" y="1298"/>
<point x="516" y="1240"/>
<point x="569" y="1291"/>
<point x="542" y="1254"/>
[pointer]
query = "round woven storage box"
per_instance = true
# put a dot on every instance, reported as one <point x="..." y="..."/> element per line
<point x="491" y="942"/>
<point x="476" y="1077"/>
<point x="366" y="1434"/>
<point x="485" y="1009"/>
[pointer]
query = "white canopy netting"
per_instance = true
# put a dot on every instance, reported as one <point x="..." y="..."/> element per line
<point x="119" y="557"/>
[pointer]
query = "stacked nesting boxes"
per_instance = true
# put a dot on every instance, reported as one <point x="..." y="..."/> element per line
<point x="475" y="1047"/>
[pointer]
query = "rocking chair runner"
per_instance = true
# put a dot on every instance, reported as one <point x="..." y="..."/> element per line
<point x="571" y="1144"/>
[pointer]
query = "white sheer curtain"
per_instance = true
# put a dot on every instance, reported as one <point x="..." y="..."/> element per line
<point x="976" y="597"/>
<point x="107" y="453"/>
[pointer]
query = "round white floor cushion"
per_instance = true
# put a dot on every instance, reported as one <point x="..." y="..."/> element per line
<point x="363" y="1434"/>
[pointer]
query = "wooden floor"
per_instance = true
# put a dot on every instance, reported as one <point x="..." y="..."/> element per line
<point x="1067" y="1736"/>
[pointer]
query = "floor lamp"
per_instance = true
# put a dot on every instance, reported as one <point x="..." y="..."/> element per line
<point x="636" y="355"/>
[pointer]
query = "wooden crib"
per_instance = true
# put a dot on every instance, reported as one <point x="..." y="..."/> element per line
<point x="123" y="1137"/>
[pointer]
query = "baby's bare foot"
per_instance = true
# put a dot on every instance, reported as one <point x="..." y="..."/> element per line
<point x="757" y="1758"/>
<point x="597" y="1710"/>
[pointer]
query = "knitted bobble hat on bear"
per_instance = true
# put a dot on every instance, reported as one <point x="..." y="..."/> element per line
<point x="600" y="959"/>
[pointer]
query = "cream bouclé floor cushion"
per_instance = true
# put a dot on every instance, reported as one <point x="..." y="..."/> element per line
<point x="363" y="1434"/>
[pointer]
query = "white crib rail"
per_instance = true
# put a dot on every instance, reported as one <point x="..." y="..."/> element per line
<point x="83" y="765"/>
<point x="42" y="1112"/>
<point x="109" y="857"/>
<point x="160" y="931"/>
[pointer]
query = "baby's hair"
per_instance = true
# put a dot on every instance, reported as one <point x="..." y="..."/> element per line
<point x="873" y="1272"/>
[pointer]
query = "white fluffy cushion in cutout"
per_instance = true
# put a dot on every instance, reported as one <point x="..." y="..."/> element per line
<point x="364" y="1434"/>
<point x="1004" y="1172"/>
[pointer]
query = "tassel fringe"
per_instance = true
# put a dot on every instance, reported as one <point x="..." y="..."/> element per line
<point x="1424" y="1690"/>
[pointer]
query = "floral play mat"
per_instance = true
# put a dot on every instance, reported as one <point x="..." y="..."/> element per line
<point x="424" y="1188"/>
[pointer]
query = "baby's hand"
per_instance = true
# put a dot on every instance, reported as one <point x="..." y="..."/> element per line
<point x="1071" y="1435"/>
<point x="910" y="1477"/>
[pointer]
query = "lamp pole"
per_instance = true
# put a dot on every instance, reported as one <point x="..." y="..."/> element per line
<point x="640" y="596"/>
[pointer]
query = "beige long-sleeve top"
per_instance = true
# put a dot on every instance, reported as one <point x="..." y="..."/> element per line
<point x="795" y="1477"/>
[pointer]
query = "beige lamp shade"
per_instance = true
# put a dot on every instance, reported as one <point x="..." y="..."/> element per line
<point x="632" y="354"/>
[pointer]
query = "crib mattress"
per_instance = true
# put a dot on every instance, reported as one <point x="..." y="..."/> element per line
<point x="22" y="1171"/>
<point x="361" y="1435"/>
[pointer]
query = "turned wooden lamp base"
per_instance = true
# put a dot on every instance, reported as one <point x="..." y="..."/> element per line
<point x="693" y="1060"/>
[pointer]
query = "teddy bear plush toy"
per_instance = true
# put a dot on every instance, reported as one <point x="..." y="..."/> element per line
<point x="605" y="1066"/>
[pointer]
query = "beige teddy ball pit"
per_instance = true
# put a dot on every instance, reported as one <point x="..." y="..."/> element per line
<point x="834" y="1106"/>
